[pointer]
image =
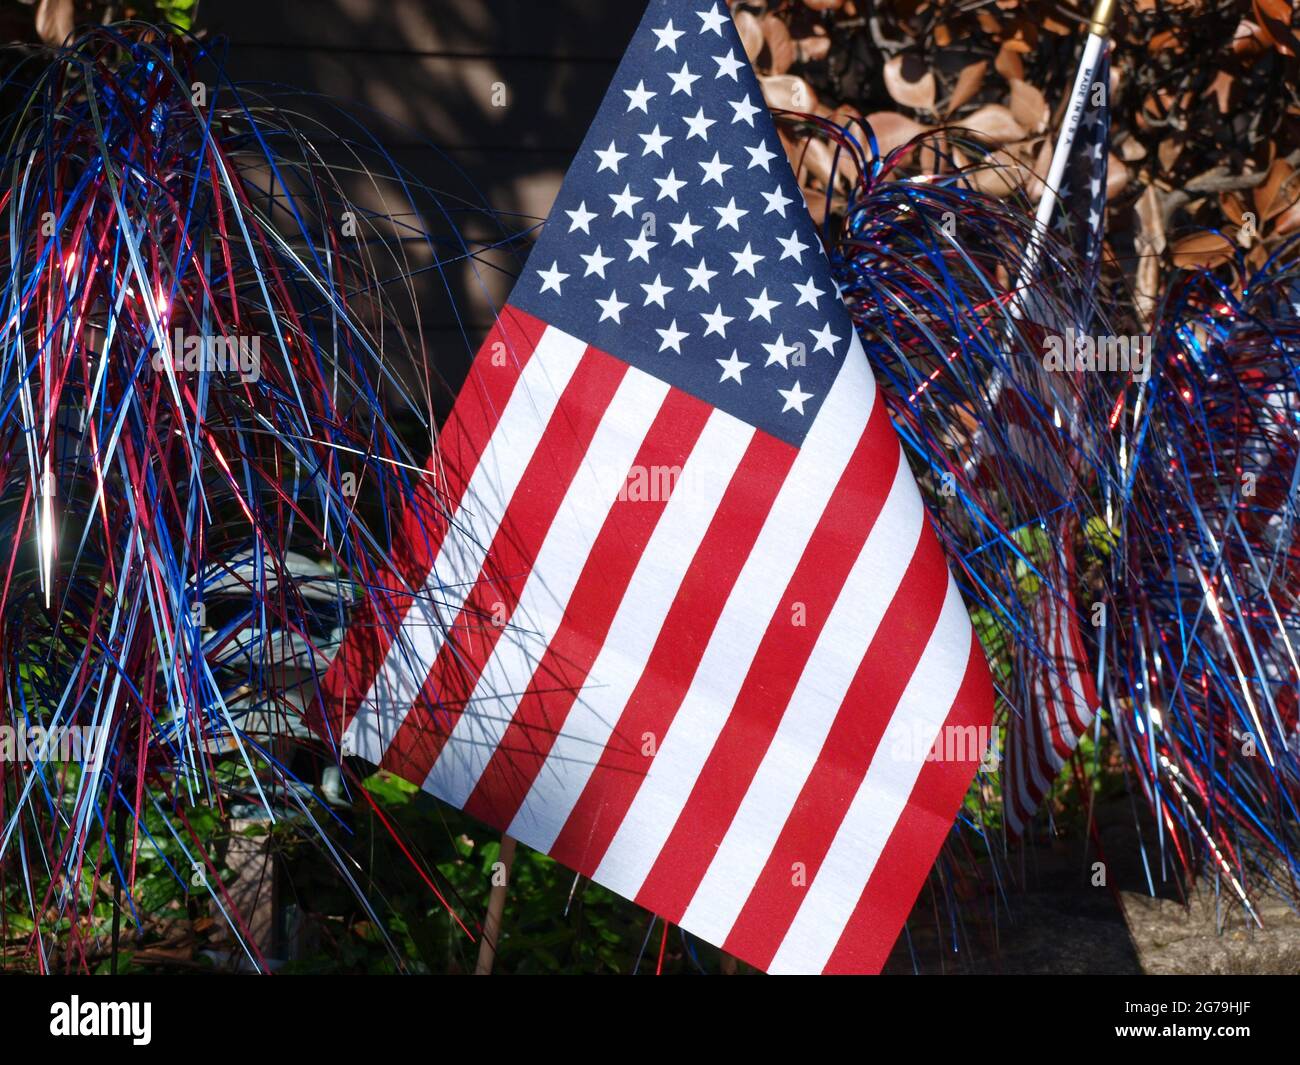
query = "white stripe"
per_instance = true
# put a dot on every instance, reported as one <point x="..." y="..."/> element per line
<point x="790" y="759"/>
<point x="1075" y="660"/>
<point x="753" y="600"/>
<point x="550" y="582"/>
<point x="1059" y="690"/>
<point x="460" y="557"/>
<point x="634" y="631"/>
<point x="1037" y="745"/>
<point x="880" y="800"/>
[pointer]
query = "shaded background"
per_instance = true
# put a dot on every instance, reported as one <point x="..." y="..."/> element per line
<point x="488" y="99"/>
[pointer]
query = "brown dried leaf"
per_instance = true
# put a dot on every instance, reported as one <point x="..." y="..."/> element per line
<point x="995" y="123"/>
<point x="1221" y="87"/>
<point x="814" y="48"/>
<point x="1249" y="40"/>
<point x="751" y="33"/>
<point x="1288" y="221"/>
<point x="909" y="83"/>
<point x="1150" y="244"/>
<point x="1204" y="249"/>
<point x="1233" y="207"/>
<point x="892" y="129"/>
<point x="969" y="82"/>
<point x="1001" y="175"/>
<point x="780" y="45"/>
<point x="1028" y="106"/>
<point x="1009" y="64"/>
<point x="1277" y="192"/>
<point x="1274" y="18"/>
<point x="1116" y="176"/>
<point x="786" y="92"/>
<point x="54" y="20"/>
<point x="1132" y="150"/>
<point x="1042" y="163"/>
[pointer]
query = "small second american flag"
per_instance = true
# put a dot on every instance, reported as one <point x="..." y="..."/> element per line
<point x="678" y="618"/>
<point x="1059" y="695"/>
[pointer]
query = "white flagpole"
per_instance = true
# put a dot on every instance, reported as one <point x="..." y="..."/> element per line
<point x="1098" y="30"/>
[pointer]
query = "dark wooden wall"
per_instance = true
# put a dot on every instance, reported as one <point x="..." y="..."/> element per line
<point x="423" y="74"/>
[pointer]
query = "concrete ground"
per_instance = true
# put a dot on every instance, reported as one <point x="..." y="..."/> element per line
<point x="1057" y="919"/>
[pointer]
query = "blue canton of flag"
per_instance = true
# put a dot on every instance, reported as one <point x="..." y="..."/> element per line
<point x="1083" y="189"/>
<point x="680" y="242"/>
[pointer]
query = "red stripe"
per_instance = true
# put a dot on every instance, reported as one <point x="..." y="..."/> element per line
<point x="423" y="524"/>
<point x="588" y="616"/>
<point x="926" y="820"/>
<point x="1041" y="731"/>
<point x="846" y="754"/>
<point x="671" y="666"/>
<point x="1028" y="738"/>
<point x="778" y="664"/>
<point x="527" y="519"/>
<point x="1071" y="660"/>
<point x="1086" y="683"/>
<point x="1056" y="682"/>
<point x="1024" y="782"/>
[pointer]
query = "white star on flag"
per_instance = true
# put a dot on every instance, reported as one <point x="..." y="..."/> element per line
<point x="683" y="80"/>
<point x="713" y="20"/>
<point x="581" y="218"/>
<point x="610" y="307"/>
<point x="610" y="157"/>
<point x="728" y="65"/>
<point x="826" y="340"/>
<point x="596" y="263"/>
<point x="551" y="279"/>
<point x="795" y="398"/>
<point x="668" y="37"/>
<point x="639" y="98"/>
<point x="672" y="338"/>
<point x="717" y="322"/>
<point x="732" y="368"/>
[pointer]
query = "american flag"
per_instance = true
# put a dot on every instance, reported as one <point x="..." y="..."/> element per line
<point x="678" y="617"/>
<point x="1082" y="195"/>
<point x="1059" y="695"/>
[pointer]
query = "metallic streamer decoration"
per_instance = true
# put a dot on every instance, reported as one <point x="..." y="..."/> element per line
<point x="1204" y="662"/>
<point x="1176" y="496"/>
<point x="212" y="366"/>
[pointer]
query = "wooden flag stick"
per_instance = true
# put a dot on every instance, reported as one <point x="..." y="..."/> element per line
<point x="487" y="951"/>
